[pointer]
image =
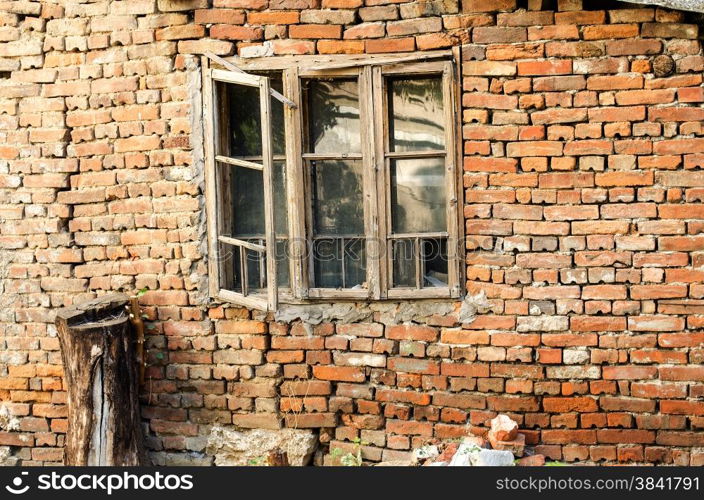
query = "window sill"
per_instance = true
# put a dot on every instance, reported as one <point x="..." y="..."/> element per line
<point x="322" y="296"/>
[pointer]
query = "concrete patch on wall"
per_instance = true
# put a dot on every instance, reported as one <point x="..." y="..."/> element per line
<point x="690" y="5"/>
<point x="388" y="313"/>
<point x="199" y="273"/>
<point x="233" y="447"/>
<point x="8" y="422"/>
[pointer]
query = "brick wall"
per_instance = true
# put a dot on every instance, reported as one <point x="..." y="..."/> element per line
<point x="583" y="173"/>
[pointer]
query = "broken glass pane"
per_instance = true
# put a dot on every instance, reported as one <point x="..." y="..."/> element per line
<point x="339" y="263"/>
<point x="355" y="263"/>
<point x="239" y="265"/>
<point x="256" y="267"/>
<point x="418" y="199"/>
<point x="229" y="263"/>
<point x="416" y="116"/>
<point x="333" y="116"/>
<point x="435" y="263"/>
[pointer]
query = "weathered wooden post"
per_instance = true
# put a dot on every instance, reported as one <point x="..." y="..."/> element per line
<point x="101" y="375"/>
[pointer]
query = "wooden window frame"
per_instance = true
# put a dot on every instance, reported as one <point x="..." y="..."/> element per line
<point x="215" y="217"/>
<point x="371" y="73"/>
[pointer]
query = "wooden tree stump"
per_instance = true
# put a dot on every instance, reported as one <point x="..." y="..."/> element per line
<point x="101" y="373"/>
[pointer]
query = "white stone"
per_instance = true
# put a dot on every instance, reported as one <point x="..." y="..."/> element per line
<point x="575" y="357"/>
<point x="264" y="50"/>
<point x="425" y="452"/>
<point x="492" y="458"/>
<point x="6" y="458"/>
<point x="542" y="323"/>
<point x="463" y="455"/>
<point x="8" y="422"/>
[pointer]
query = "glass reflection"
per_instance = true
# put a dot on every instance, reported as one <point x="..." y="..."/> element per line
<point x="333" y="116"/>
<point x="416" y="114"/>
<point x="339" y="263"/>
<point x="337" y="203"/>
<point x="418" y="198"/>
<point x="240" y="127"/>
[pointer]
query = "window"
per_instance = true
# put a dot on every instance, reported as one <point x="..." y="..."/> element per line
<point x="346" y="188"/>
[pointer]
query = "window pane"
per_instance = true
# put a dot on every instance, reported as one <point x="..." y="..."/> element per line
<point x="243" y="194"/>
<point x="239" y="126"/>
<point x="355" y="263"/>
<point x="435" y="263"/>
<point x="239" y="265"/>
<point x="281" y="224"/>
<point x="416" y="114"/>
<point x="255" y="268"/>
<point x="418" y="200"/>
<point x="404" y="263"/>
<point x="428" y="255"/>
<point x="333" y="116"/>
<point x="280" y="199"/>
<point x="246" y="199"/>
<point x="240" y="120"/>
<point x="229" y="262"/>
<point x="282" y="263"/>
<point x="339" y="263"/>
<point x="337" y="197"/>
<point x="242" y="191"/>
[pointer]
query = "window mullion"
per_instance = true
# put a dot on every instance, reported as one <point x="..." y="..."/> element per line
<point x="383" y="248"/>
<point x="453" y="196"/>
<point x="295" y="186"/>
<point x="371" y="199"/>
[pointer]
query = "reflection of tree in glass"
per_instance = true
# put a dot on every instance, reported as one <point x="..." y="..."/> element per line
<point x="416" y="118"/>
<point x="244" y="118"/>
<point x="333" y="116"/>
<point x="338" y="197"/>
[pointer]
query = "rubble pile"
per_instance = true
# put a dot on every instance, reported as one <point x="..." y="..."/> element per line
<point x="503" y="446"/>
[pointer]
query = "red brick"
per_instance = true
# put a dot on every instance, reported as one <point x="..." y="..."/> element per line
<point x="340" y="47"/>
<point x="629" y="372"/>
<point x="389" y="45"/>
<point x="411" y="332"/>
<point x="339" y="373"/>
<point x="546" y="67"/>
<point x="410" y="365"/>
<point x="315" y="31"/>
<point x="624" y="436"/>
<point x="273" y="17"/>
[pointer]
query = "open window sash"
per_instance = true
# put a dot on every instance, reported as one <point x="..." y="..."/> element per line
<point x="242" y="263"/>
